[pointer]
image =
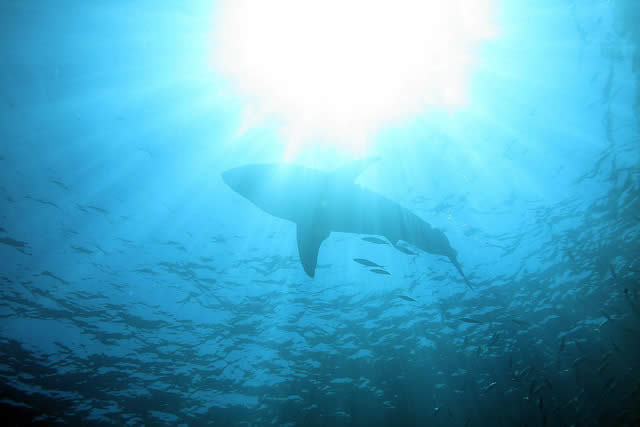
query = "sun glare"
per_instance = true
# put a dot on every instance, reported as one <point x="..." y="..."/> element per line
<point x="337" y="71"/>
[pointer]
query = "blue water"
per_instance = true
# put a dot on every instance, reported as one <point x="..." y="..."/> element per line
<point x="138" y="289"/>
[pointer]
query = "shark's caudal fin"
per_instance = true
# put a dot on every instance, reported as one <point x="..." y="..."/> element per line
<point x="309" y="240"/>
<point x="456" y="264"/>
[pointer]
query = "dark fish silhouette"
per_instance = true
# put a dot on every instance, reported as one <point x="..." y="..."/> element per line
<point x="367" y="262"/>
<point x="11" y="242"/>
<point x="613" y="273"/>
<point x="468" y="320"/>
<point x="60" y="184"/>
<point x="490" y="386"/>
<point x="81" y="250"/>
<point x="375" y="240"/>
<point x="53" y="276"/>
<point x="404" y="297"/>
<point x="41" y="201"/>
<point x="380" y="271"/>
<point x="521" y="322"/>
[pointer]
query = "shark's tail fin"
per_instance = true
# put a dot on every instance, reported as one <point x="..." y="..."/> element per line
<point x="456" y="264"/>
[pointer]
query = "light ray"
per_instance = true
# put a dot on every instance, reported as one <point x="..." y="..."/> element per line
<point x="339" y="71"/>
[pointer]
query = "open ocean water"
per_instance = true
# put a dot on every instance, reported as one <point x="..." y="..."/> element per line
<point x="446" y="231"/>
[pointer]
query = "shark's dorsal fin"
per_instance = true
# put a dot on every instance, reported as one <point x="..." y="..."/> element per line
<point x="310" y="238"/>
<point x="351" y="171"/>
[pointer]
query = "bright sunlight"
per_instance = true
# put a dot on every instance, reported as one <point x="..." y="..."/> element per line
<point x="337" y="71"/>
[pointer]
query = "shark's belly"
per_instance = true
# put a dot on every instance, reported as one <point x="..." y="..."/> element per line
<point x="365" y="212"/>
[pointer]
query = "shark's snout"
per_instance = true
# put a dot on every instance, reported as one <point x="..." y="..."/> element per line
<point x="241" y="180"/>
<point x="226" y="177"/>
<point x="233" y="178"/>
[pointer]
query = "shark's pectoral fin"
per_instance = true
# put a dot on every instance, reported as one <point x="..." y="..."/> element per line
<point x="309" y="240"/>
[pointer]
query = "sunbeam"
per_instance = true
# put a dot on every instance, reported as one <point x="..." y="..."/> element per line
<point x="339" y="71"/>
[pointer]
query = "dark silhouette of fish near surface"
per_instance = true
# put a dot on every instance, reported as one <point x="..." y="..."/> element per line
<point x="375" y="240"/>
<point x="320" y="203"/>
<point x="367" y="262"/>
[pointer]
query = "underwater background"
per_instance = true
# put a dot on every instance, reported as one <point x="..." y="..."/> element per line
<point x="136" y="288"/>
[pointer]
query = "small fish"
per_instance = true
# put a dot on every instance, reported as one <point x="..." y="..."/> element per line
<point x="494" y="339"/>
<point x="540" y="403"/>
<point x="41" y="201"/>
<point x="531" y="387"/>
<point x="613" y="273"/>
<point x="404" y="297"/>
<point x="97" y="209"/>
<point x="468" y="320"/>
<point x="145" y="271"/>
<point x="524" y="372"/>
<point x="53" y="276"/>
<point x="82" y="208"/>
<point x="521" y="322"/>
<point x="490" y="386"/>
<point x="380" y="271"/>
<point x="367" y="262"/>
<point x="81" y="250"/>
<point x="375" y="240"/>
<point x="11" y="242"/>
<point x="60" y="184"/>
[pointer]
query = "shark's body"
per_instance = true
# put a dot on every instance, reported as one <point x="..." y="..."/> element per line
<point x="319" y="203"/>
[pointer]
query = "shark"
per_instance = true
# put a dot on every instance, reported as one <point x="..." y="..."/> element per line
<point x="320" y="203"/>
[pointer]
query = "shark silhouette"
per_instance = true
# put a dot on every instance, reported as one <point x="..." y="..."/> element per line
<point x="319" y="203"/>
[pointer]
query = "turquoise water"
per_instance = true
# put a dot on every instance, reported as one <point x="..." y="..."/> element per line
<point x="139" y="288"/>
